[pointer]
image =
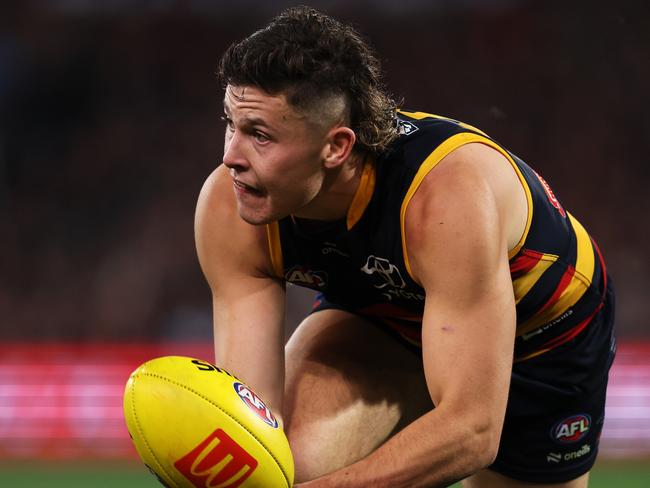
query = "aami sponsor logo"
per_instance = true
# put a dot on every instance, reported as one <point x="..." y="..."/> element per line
<point x="217" y="461"/>
<point x="571" y="429"/>
<point x="303" y="276"/>
<point x="255" y="404"/>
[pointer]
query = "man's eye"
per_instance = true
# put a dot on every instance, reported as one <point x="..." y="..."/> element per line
<point x="228" y="121"/>
<point x="261" y="137"/>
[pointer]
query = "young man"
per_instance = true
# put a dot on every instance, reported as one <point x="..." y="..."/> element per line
<point x="465" y="320"/>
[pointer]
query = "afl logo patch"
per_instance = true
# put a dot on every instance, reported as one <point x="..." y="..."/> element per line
<point x="571" y="429"/>
<point x="254" y="402"/>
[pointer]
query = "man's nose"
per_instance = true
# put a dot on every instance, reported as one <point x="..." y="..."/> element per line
<point x="233" y="156"/>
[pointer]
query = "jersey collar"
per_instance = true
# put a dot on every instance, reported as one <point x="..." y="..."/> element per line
<point x="363" y="194"/>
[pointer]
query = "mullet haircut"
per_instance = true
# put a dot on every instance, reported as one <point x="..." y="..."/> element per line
<point x="313" y="59"/>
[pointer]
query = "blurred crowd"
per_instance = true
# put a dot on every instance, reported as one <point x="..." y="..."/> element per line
<point x="109" y="124"/>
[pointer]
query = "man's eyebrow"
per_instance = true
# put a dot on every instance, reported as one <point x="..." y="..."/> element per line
<point x="246" y="120"/>
<point x="254" y="121"/>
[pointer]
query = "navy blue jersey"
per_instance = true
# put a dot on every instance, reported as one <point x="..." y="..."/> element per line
<point x="361" y="264"/>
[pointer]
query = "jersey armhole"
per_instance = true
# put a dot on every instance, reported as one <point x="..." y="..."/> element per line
<point x="438" y="154"/>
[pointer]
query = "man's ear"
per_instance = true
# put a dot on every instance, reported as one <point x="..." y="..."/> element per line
<point x="339" y="144"/>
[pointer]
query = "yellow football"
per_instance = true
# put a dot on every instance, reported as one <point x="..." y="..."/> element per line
<point x="195" y="425"/>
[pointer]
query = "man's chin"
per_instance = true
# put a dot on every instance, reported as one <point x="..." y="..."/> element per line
<point x="256" y="219"/>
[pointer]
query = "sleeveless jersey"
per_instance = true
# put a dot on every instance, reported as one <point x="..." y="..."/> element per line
<point x="361" y="264"/>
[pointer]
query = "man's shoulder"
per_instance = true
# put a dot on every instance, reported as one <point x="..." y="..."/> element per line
<point x="411" y="122"/>
<point x="216" y="199"/>
<point x="218" y="227"/>
<point x="420" y="134"/>
<point x="217" y="207"/>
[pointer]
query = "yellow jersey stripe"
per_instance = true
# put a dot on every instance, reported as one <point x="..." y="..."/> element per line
<point x="523" y="284"/>
<point x="585" y="259"/>
<point x="531" y="355"/>
<point x="275" y="248"/>
<point x="363" y="194"/>
<point x="424" y="115"/>
<point x="580" y="282"/>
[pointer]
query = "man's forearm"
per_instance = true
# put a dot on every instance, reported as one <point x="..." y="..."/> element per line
<point x="435" y="450"/>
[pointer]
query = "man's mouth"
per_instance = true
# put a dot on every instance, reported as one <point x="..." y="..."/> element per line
<point x="240" y="185"/>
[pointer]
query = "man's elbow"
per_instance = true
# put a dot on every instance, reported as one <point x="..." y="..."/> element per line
<point x="484" y="444"/>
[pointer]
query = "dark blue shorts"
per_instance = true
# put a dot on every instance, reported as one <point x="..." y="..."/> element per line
<point x="556" y="404"/>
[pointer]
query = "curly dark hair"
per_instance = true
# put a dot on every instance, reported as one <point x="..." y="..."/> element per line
<point x="310" y="58"/>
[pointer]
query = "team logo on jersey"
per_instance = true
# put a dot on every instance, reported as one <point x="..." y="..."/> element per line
<point x="571" y="429"/>
<point x="551" y="196"/>
<point x="303" y="276"/>
<point x="254" y="402"/>
<point x="387" y="273"/>
<point x="405" y="128"/>
<point x="217" y="461"/>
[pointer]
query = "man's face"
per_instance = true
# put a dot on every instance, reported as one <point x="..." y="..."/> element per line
<point x="273" y="153"/>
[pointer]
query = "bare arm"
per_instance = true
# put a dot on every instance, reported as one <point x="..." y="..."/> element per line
<point x="458" y="250"/>
<point x="248" y="303"/>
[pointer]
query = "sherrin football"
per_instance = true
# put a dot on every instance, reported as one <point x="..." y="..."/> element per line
<point x="196" y="425"/>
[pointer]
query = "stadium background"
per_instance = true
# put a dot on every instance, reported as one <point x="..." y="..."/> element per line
<point x="109" y="123"/>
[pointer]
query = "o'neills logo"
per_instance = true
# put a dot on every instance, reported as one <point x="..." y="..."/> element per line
<point x="571" y="429"/>
<point x="217" y="462"/>
<point x="254" y="402"/>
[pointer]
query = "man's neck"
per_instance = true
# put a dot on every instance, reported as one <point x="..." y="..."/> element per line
<point x="338" y="191"/>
